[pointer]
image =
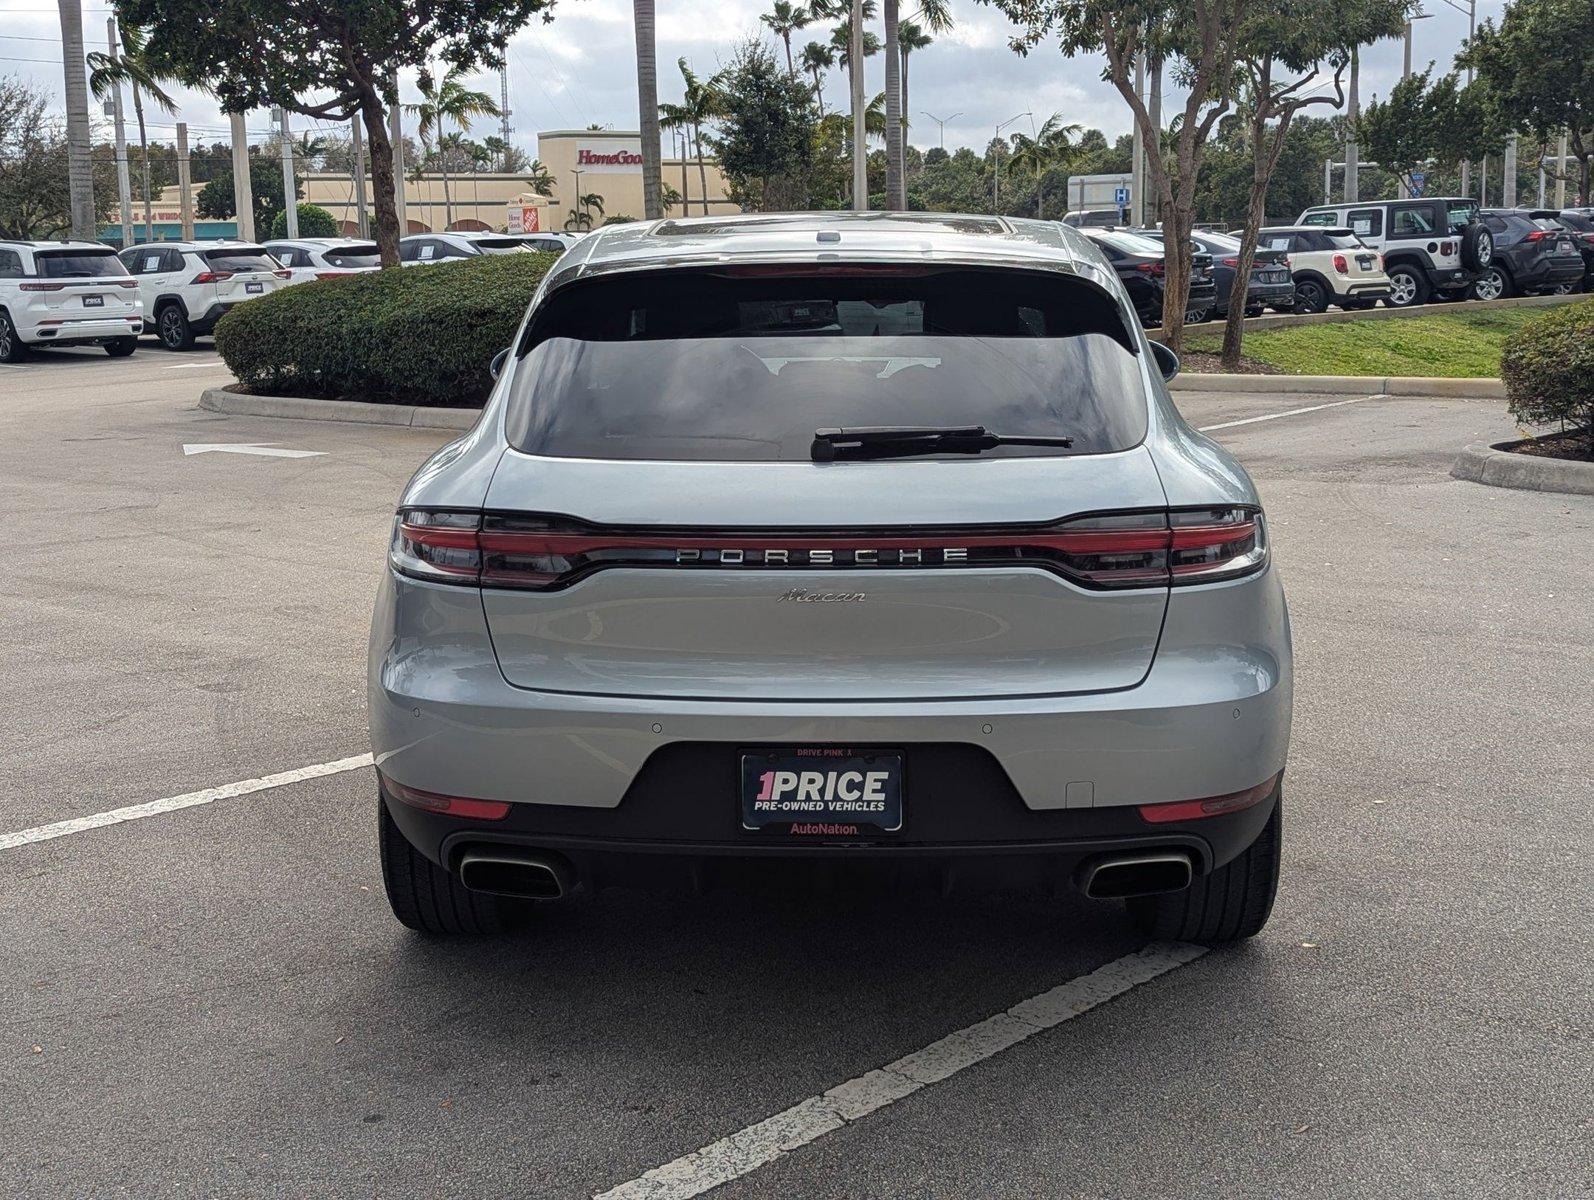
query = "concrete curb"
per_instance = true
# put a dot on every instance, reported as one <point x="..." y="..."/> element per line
<point x="300" y="408"/>
<point x="1341" y="385"/>
<point x="1497" y="467"/>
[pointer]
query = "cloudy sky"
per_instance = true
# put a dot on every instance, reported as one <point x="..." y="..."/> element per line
<point x="579" y="69"/>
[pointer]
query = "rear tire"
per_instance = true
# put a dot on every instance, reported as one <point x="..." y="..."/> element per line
<point x="121" y="347"/>
<point x="1227" y="905"/>
<point x="1407" y="287"/>
<point x="175" y="331"/>
<point x="429" y="899"/>
<point x="1492" y="284"/>
<point x="11" y="348"/>
<point x="1310" y="297"/>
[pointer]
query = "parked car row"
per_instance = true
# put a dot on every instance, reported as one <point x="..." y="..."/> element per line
<point x="86" y="293"/>
<point x="1403" y="252"/>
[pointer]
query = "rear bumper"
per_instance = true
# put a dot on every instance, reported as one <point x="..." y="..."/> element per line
<point x="1366" y="291"/>
<point x="206" y="321"/>
<point x="1550" y="272"/>
<point x="1212" y="717"/>
<point x="79" y="330"/>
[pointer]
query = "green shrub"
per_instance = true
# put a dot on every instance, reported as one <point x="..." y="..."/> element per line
<point x="404" y="335"/>
<point x="1548" y="368"/>
<point x="314" y="221"/>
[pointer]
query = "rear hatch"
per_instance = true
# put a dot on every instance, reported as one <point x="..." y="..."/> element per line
<point x="242" y="273"/>
<point x="1270" y="267"/>
<point x="81" y="285"/>
<point x="660" y="529"/>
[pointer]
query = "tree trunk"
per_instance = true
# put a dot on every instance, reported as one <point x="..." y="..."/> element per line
<point x="380" y="146"/>
<point x="702" y="169"/>
<point x="791" y="68"/>
<point x="647" y="86"/>
<point x="860" y="132"/>
<point x="685" y="191"/>
<point x="79" y="136"/>
<point x="143" y="151"/>
<point x="442" y="162"/>
<point x="1264" y="157"/>
<point x="893" y="49"/>
<point x="819" y="92"/>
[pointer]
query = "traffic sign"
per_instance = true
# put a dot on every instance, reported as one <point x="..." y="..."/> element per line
<point x="1121" y="196"/>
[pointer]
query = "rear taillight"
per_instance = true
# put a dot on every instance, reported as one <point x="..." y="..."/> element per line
<point x="211" y="277"/>
<point x="1156" y="548"/>
<point x="40" y="287"/>
<point x="1212" y="806"/>
<point x="1447" y="247"/>
<point x="1231" y="262"/>
<point x="1150" y="268"/>
<point x="453" y="806"/>
<point x="284" y="273"/>
<point x="1340" y="265"/>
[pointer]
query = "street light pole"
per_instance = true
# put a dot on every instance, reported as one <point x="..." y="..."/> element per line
<point x="996" y="175"/>
<point x="290" y="202"/>
<point x="941" y="123"/>
<point x="124" y="183"/>
<point x="1472" y="30"/>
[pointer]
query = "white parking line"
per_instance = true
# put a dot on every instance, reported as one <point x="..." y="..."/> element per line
<point x="190" y="366"/>
<point x="1294" y="412"/>
<point x="744" y="1151"/>
<point x="134" y="812"/>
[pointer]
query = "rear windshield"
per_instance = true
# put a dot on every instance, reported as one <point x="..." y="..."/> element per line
<point x="695" y="367"/>
<point x="361" y="255"/>
<point x="1341" y="241"/>
<point x="503" y="245"/>
<point x="1577" y="221"/>
<point x="1131" y="243"/>
<point x="239" y="260"/>
<point x="79" y="264"/>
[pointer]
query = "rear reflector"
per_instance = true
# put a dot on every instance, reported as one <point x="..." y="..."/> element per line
<point x="1212" y="806"/>
<point x="453" y="806"/>
<point x="1155" y="548"/>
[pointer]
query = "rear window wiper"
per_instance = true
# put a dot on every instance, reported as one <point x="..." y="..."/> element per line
<point x="891" y="441"/>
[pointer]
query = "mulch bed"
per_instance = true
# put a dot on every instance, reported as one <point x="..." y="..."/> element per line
<point x="1201" y="363"/>
<point x="1573" y="444"/>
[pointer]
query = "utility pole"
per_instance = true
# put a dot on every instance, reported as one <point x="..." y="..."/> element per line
<point x="504" y="130"/>
<point x="1472" y="30"/>
<point x="1328" y="181"/>
<point x="1155" y="109"/>
<point x="1560" y="175"/>
<point x="1508" y="180"/>
<point x="185" y="183"/>
<point x="396" y="121"/>
<point x="941" y="124"/>
<point x="860" y="163"/>
<point x="243" y="192"/>
<point x="362" y="215"/>
<point x="1352" y="150"/>
<point x="290" y="201"/>
<point x="80" y="169"/>
<point x="124" y="182"/>
<point x="1137" y="151"/>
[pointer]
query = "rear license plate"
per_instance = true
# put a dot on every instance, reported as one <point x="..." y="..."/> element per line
<point x="822" y="792"/>
<point x="254" y="287"/>
<point x="1364" y="261"/>
<point x="93" y="301"/>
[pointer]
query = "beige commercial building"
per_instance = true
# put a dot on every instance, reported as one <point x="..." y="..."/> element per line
<point x="582" y="162"/>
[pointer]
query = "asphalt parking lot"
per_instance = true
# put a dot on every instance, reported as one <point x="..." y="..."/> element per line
<point x="215" y="1001"/>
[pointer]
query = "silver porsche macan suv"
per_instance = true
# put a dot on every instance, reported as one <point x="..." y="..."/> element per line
<point x="832" y="544"/>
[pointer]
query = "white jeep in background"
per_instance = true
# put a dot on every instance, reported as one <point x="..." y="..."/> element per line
<point x="66" y="294"/>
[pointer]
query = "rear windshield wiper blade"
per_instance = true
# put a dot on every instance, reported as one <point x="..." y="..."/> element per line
<point x="891" y="441"/>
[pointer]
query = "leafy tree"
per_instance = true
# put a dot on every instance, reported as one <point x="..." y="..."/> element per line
<point x="510" y="159"/>
<point x="135" y="68"/>
<point x="444" y="100"/>
<point x="314" y="221"/>
<point x="1441" y="122"/>
<point x="1202" y="40"/>
<point x="34" y="198"/>
<point x="1285" y="48"/>
<point x="1538" y="67"/>
<point x="767" y="126"/>
<point x="327" y="59"/>
<point x="215" y="199"/>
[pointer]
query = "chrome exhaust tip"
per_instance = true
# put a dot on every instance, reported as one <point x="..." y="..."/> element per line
<point x="1123" y="876"/>
<point x="526" y="875"/>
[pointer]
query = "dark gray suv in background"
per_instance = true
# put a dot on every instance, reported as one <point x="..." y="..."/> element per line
<point x="829" y="542"/>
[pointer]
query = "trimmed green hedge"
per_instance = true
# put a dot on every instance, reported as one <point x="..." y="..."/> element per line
<point x="1548" y="368"/>
<point x="404" y="335"/>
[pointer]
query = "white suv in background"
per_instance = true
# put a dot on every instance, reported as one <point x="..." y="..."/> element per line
<point x="324" y="258"/>
<point x="66" y="294"/>
<point x="188" y="286"/>
<point x="420" y="248"/>
<point x="1329" y="266"/>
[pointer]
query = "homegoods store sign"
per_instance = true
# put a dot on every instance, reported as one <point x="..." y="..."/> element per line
<point x="610" y="157"/>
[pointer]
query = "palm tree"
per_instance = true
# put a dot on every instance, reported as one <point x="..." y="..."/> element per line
<point x="539" y="179"/>
<point x="444" y="100"/>
<point x="647" y="90"/>
<point x="1051" y="146"/>
<point x="786" y="19"/>
<point x="678" y="121"/>
<point x="817" y="58"/>
<point x="703" y="101"/>
<point x="134" y="67"/>
<point x="911" y="37"/>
